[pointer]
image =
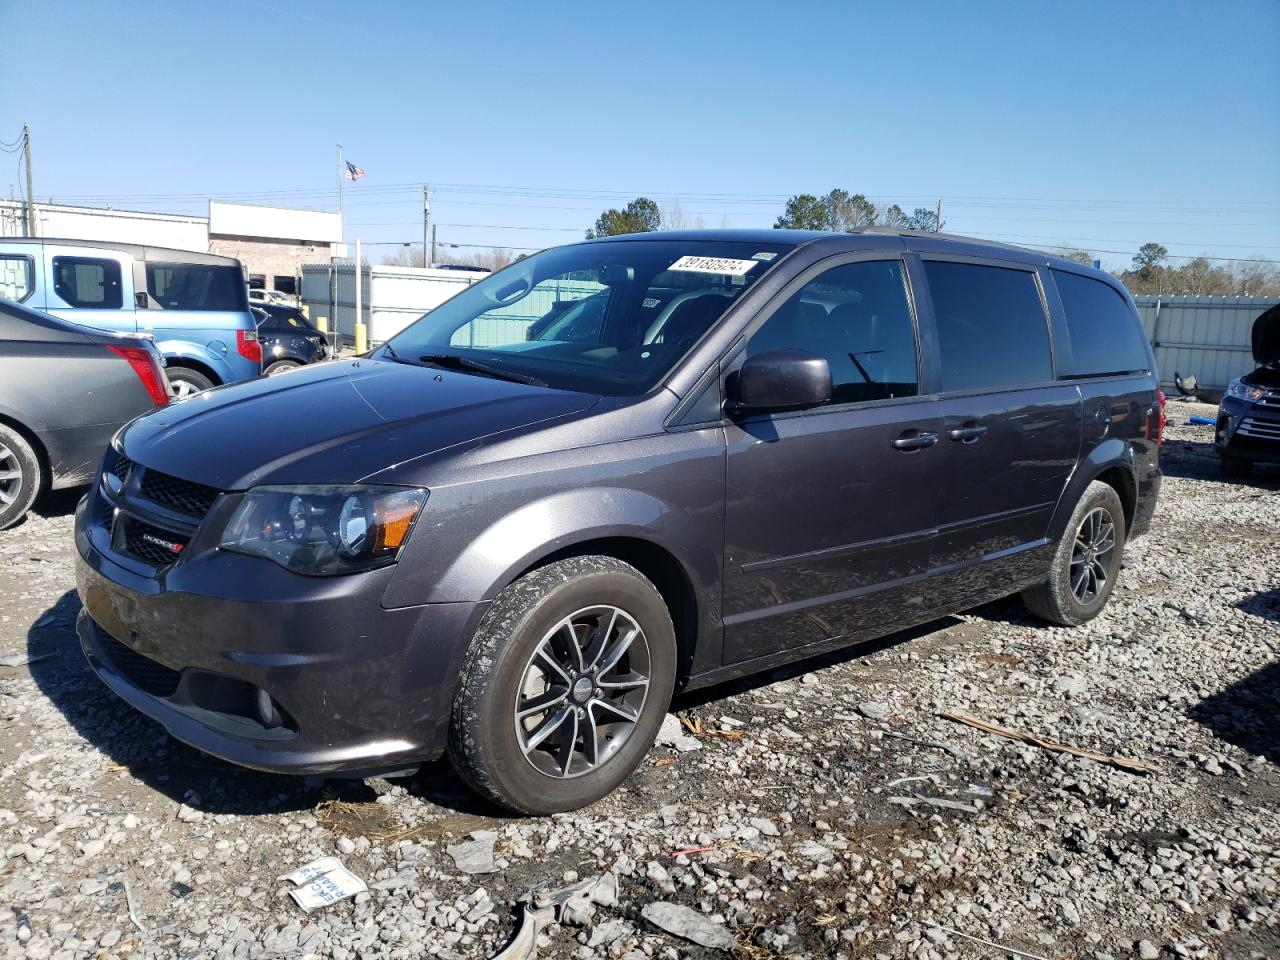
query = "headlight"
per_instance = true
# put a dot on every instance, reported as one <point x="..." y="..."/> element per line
<point x="323" y="531"/>
<point x="1242" y="391"/>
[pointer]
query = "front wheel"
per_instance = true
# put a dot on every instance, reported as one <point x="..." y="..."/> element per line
<point x="1085" y="563"/>
<point x="564" y="686"/>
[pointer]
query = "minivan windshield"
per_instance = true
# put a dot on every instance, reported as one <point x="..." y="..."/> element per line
<point x="605" y="317"/>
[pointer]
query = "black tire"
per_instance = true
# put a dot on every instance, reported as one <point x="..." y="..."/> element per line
<point x="485" y="744"/>
<point x="185" y="382"/>
<point x="1235" y="467"/>
<point x="281" y="366"/>
<point x="21" y="478"/>
<point x="1059" y="600"/>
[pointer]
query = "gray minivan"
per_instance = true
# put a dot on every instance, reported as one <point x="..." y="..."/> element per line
<point x="754" y="446"/>
<point x="195" y="305"/>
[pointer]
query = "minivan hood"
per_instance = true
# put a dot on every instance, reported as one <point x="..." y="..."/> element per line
<point x="1266" y="337"/>
<point x="335" y="423"/>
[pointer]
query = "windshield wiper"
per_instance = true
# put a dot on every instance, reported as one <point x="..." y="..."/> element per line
<point x="450" y="361"/>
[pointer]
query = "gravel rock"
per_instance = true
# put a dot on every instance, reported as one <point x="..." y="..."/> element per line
<point x="688" y="924"/>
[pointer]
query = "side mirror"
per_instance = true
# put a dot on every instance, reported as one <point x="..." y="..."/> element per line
<point x="780" y="380"/>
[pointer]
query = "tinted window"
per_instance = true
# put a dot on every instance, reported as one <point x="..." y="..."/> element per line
<point x="15" y="278"/>
<point x="992" y="330"/>
<point x="1105" y="335"/>
<point x="85" y="282"/>
<point x="857" y="317"/>
<point x="193" y="286"/>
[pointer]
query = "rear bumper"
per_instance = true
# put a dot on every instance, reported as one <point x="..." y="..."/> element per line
<point x="353" y="686"/>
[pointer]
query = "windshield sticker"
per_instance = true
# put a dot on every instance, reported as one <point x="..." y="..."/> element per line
<point x="720" y="265"/>
<point x="650" y="302"/>
<point x="764" y="256"/>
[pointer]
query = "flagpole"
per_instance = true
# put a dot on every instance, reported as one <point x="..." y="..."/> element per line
<point x="333" y="271"/>
<point x="341" y="171"/>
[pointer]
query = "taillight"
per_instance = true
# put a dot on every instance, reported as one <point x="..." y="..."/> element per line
<point x="247" y="345"/>
<point x="143" y="362"/>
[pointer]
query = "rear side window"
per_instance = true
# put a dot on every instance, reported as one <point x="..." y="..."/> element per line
<point x="16" y="278"/>
<point x="1106" y="337"/>
<point x="992" y="328"/>
<point x="87" y="282"/>
<point x="858" y="317"/>
<point x="196" y="286"/>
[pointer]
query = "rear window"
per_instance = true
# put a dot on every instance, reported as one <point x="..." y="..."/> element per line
<point x="992" y="328"/>
<point x="196" y="286"/>
<point x="1106" y="337"/>
<point x="15" y="277"/>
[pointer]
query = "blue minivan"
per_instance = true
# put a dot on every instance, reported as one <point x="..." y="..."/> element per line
<point x="195" y="305"/>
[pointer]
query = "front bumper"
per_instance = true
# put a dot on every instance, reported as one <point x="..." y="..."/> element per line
<point x="352" y="686"/>
<point x="1247" y="431"/>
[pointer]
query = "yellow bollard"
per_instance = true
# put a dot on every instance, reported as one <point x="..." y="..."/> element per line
<point x="306" y="311"/>
<point x="322" y="324"/>
<point x="362" y="337"/>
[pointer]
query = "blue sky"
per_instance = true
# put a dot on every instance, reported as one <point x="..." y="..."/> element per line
<point x="1100" y="125"/>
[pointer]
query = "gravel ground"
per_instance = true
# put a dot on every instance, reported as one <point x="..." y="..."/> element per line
<point x="832" y="810"/>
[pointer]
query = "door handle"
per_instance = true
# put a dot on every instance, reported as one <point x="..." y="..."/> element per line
<point x="915" y="440"/>
<point x="967" y="434"/>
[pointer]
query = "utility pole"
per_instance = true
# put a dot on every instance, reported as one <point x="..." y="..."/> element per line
<point x="31" y="194"/>
<point x="426" y="213"/>
<point x="937" y="218"/>
<point x="433" y="244"/>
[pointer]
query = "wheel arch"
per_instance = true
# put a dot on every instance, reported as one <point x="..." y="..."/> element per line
<point x="1110" y="462"/>
<point x="657" y="564"/>
<point x="198" y="366"/>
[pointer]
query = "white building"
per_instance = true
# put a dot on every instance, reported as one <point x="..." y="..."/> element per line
<point x="272" y="242"/>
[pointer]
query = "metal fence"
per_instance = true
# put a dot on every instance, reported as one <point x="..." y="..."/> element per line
<point x="1209" y="337"/>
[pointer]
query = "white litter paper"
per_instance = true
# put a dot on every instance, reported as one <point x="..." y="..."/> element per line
<point x="323" y="883"/>
<point x="720" y="265"/>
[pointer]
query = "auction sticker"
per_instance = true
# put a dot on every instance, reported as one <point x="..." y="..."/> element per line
<point x="720" y="265"/>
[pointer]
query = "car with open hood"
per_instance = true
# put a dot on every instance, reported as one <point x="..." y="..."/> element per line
<point x="1248" y="426"/>
<point x="612" y="469"/>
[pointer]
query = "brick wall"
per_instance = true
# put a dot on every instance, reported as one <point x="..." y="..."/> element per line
<point x="271" y="258"/>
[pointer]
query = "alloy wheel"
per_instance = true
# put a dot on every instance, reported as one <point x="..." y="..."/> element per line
<point x="10" y="475"/>
<point x="1091" y="555"/>
<point x="582" y="691"/>
<point x="181" y="390"/>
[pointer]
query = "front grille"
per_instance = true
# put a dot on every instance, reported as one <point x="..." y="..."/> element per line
<point x="183" y="496"/>
<point x="118" y="465"/>
<point x="1270" y="399"/>
<point x="1259" y="429"/>
<point x="149" y="544"/>
<point x="143" y="672"/>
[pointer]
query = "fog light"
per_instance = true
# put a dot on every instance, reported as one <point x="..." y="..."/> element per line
<point x="267" y="711"/>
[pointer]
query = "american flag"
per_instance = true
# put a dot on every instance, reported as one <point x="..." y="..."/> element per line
<point x="353" y="172"/>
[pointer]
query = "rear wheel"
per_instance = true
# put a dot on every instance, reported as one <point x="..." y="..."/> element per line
<point x="1086" y="561"/>
<point x="281" y="366"/>
<point x="185" y="382"/>
<point x="20" y="476"/>
<point x="564" y="686"/>
<point x="1235" y="467"/>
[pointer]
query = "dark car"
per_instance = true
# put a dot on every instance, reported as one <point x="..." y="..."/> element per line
<point x="1248" y="429"/>
<point x="64" y="390"/>
<point x="773" y="444"/>
<point x="288" y="339"/>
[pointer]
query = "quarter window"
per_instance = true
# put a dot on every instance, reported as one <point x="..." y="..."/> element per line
<point x="992" y="329"/>
<point x="1106" y="337"/>
<point x="858" y="318"/>
<point x="88" y="283"/>
<point x="190" y="286"/>
<point x="16" y="280"/>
